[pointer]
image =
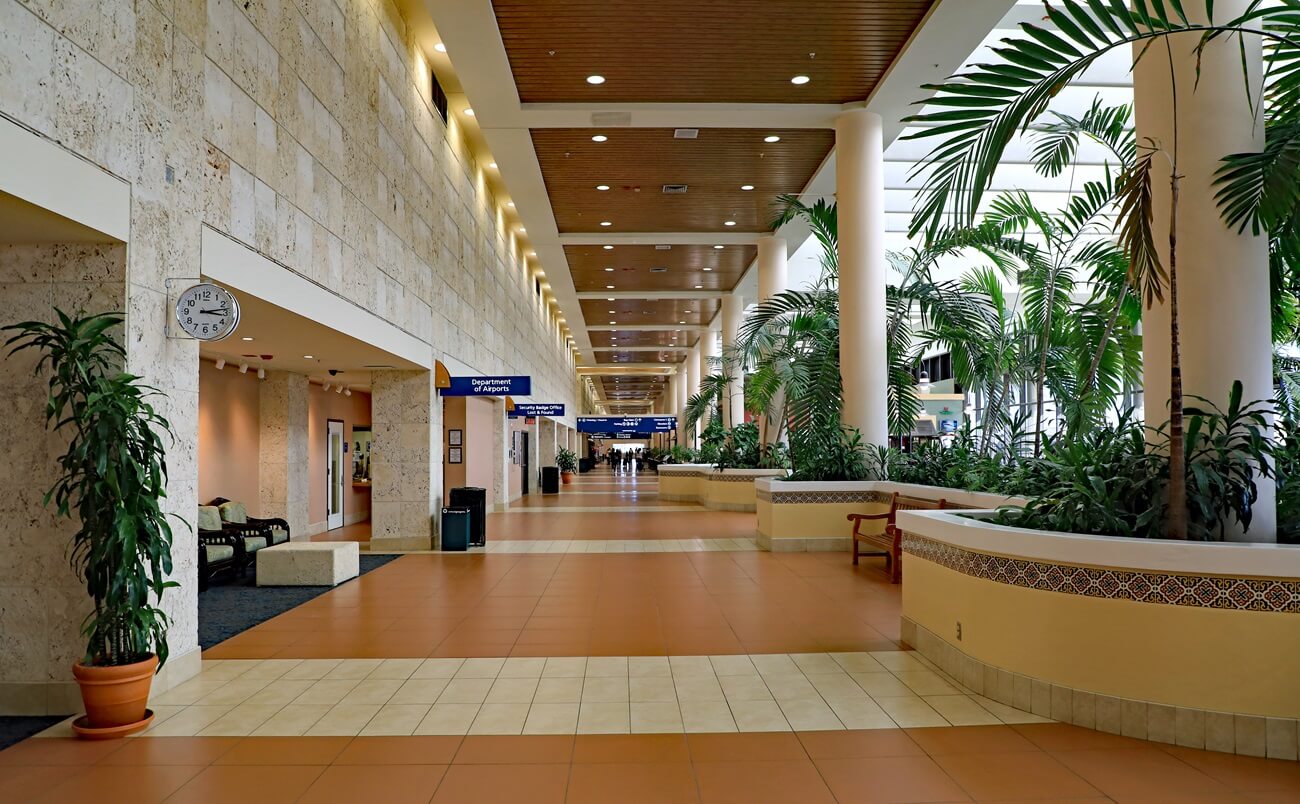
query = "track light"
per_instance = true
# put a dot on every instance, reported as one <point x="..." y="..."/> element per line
<point x="338" y="389"/>
<point x="243" y="368"/>
<point x="221" y="363"/>
<point x="328" y="386"/>
<point x="261" y="374"/>
<point x="347" y="392"/>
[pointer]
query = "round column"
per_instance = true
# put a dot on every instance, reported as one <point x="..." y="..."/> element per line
<point x="733" y="402"/>
<point x="683" y="390"/>
<point x="708" y="357"/>
<point x="773" y="276"/>
<point x="1223" y="277"/>
<point x="693" y="376"/>
<point x="860" y="193"/>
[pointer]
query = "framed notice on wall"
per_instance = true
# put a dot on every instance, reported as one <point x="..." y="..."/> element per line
<point x="455" y="437"/>
<point x="454" y="455"/>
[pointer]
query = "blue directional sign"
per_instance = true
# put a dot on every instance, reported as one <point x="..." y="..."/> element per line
<point x="627" y="424"/>
<point x="489" y="386"/>
<point x="531" y="409"/>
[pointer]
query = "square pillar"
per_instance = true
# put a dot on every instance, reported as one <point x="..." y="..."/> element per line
<point x="282" y="465"/>
<point x="502" y="442"/>
<point x="406" y="460"/>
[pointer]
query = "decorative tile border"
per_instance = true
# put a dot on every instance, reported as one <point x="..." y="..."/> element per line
<point x="1205" y="591"/>
<point x="821" y="497"/>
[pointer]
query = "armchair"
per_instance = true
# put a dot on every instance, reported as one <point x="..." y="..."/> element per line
<point x="220" y="550"/>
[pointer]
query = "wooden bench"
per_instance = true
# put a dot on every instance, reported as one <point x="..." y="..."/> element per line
<point x="890" y="541"/>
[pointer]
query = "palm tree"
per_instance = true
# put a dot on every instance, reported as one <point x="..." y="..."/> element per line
<point x="983" y="109"/>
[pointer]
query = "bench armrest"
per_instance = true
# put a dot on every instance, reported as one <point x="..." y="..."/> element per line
<point x="860" y="517"/>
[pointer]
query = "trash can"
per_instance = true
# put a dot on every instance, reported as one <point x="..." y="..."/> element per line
<point x="550" y="480"/>
<point x="455" y="529"/>
<point x="475" y="499"/>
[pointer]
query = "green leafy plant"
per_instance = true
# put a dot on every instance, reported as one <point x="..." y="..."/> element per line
<point x="829" y="455"/>
<point x="680" y="453"/>
<point x="112" y="477"/>
<point x="566" y="460"/>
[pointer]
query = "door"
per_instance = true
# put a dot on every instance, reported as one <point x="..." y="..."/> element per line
<point x="523" y="460"/>
<point x="335" y="475"/>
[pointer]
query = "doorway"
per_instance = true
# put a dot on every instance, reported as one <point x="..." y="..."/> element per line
<point x="334" y="474"/>
<point x="523" y="459"/>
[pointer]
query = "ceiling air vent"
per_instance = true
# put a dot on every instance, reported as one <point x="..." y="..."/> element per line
<point x="674" y="189"/>
<point x="659" y="269"/>
<point x="607" y="119"/>
<point x="685" y="133"/>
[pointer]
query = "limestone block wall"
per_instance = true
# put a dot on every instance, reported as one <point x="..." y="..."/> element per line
<point x="283" y="461"/>
<point x="304" y="130"/>
<point x="406" y="456"/>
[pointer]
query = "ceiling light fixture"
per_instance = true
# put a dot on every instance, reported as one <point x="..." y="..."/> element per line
<point x="800" y="80"/>
<point x="611" y="298"/>
<point x="492" y="165"/>
<point x="771" y="138"/>
<point x="328" y="386"/>
<point x="602" y="187"/>
<point x="606" y="223"/>
<point x="609" y="287"/>
<point x="706" y="270"/>
<point x="613" y="322"/>
<point x="599" y="138"/>
<point x="699" y="287"/>
<point x="261" y="374"/>
<point x="246" y="338"/>
<point x="221" y="363"/>
<point x="243" y="368"/>
<point x="469" y="112"/>
<point x="728" y="223"/>
<point x="746" y="187"/>
<point x="308" y="357"/>
<point x="609" y="270"/>
<point x="719" y="246"/>
<point x="440" y="47"/>
<point x="609" y="248"/>
<point x="595" y="80"/>
<point x="347" y="392"/>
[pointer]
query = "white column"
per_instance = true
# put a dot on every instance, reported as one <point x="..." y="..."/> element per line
<point x="773" y="279"/>
<point x="709" y="353"/>
<point x="671" y="398"/>
<point x="693" y="376"/>
<point x="860" y="192"/>
<point x="683" y="388"/>
<point x="1223" y="278"/>
<point x="733" y="402"/>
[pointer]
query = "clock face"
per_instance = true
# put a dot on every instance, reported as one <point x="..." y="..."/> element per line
<point x="207" y="312"/>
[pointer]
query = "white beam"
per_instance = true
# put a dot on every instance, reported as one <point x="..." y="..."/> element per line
<point x="660" y="238"/>
<point x="647" y="327"/>
<point x="652" y="295"/>
<point x="639" y="348"/>
<point x="679" y="115"/>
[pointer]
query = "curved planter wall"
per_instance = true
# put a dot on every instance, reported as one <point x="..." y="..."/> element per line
<point x="726" y="490"/>
<point x="1180" y="642"/>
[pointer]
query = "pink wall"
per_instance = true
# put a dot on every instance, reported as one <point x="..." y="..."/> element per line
<point x="474" y="418"/>
<point x="354" y="411"/>
<point x="228" y="435"/>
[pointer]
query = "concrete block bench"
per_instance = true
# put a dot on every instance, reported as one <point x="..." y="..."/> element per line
<point x="307" y="564"/>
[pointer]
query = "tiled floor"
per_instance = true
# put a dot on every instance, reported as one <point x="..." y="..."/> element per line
<point x="526" y="656"/>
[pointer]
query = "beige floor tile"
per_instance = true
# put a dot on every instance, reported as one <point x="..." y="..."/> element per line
<point x="858" y="663"/>
<point x="344" y="720"/>
<point x="190" y="692"/>
<point x="745" y="688"/>
<point x="522" y="667"/>
<point x="604" y="718"/>
<point x="925" y="682"/>
<point x="911" y="712"/>
<point x="240" y="721"/>
<point x="759" y="716"/>
<point x="480" y="668"/>
<point x="448" y="718"/>
<point x="327" y="691"/>
<point x="313" y="668"/>
<point x="190" y="721"/>
<point x="898" y="660"/>
<point x="1008" y="714"/>
<point x="500" y="718"/>
<point x="960" y="710"/>
<point x="161" y="714"/>
<point x="775" y="664"/>
<point x="552" y="718"/>
<point x="737" y="665"/>
<point x="699" y="688"/>
<point x="810" y="663"/>
<point x="437" y="668"/>
<point x="807" y="714"/>
<point x="373" y="691"/>
<point x="282" y="691"/>
<point x="707" y="716"/>
<point x="396" y="720"/>
<point x="691" y="666"/>
<point x="234" y="692"/>
<point x="861" y="714"/>
<point x="512" y="691"/>
<point x="792" y="687"/>
<point x="837" y="687"/>
<point x="466" y="691"/>
<point x="558" y="690"/>
<point x="400" y="669"/>
<point x="605" y="689"/>
<point x="274" y="668"/>
<point x="292" y="721"/>
<point x="565" y="667"/>
<point x="649" y="666"/>
<point x="882" y="685"/>
<point x="656" y="718"/>
<point x="652" y="689"/>
<point x="354" y="668"/>
<point x="419" y="691"/>
<point x="603" y="666"/>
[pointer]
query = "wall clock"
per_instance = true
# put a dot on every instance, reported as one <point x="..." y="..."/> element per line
<point x="207" y="311"/>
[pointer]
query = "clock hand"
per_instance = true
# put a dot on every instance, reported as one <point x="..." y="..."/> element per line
<point x="219" y="311"/>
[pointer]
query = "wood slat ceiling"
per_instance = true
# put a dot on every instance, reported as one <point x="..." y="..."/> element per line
<point x="635" y="386"/>
<point x="665" y="356"/>
<point x="645" y="311"/>
<point x="721" y="51"/>
<point x="631" y="337"/>
<point x="632" y="267"/>
<point x="636" y="163"/>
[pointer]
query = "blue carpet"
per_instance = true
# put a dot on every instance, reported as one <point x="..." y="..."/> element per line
<point x="14" y="730"/>
<point x="229" y="609"/>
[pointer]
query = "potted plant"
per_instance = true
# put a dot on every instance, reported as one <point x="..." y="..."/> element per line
<point x="568" y="463"/>
<point x="111" y="479"/>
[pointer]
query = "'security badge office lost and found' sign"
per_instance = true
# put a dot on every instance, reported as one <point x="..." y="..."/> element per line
<point x="530" y="409"/>
<point x="489" y="386"/>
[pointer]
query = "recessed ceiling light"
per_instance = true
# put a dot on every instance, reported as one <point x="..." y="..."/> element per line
<point x="746" y="187"/>
<point x="706" y="270"/>
<point x="606" y="223"/>
<point x="609" y="270"/>
<point x="699" y="287"/>
<point x="599" y="138"/>
<point x="308" y="357"/>
<point x="440" y="47"/>
<point x="609" y="287"/>
<point x="510" y="204"/>
<point x="613" y="322"/>
<point x="719" y="247"/>
<point x="522" y="230"/>
<point x="681" y="322"/>
<point x="728" y="223"/>
<point x="609" y="248"/>
<point x="611" y="298"/>
<point x="611" y="312"/>
<point x="492" y="165"/>
<point x="800" y="80"/>
<point x="771" y="138"/>
<point x="595" y="80"/>
<point x="602" y="187"/>
<point x="469" y="112"/>
<point x="246" y="338"/>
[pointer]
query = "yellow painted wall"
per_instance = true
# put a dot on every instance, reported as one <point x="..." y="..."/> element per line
<point x="1244" y="662"/>
<point x="791" y="521"/>
<point x="677" y="487"/>
<point x="728" y="495"/>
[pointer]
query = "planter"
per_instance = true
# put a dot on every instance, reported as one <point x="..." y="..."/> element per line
<point x="115" y="697"/>
<point x="725" y="490"/>
<point x="566" y="477"/>
<point x="1186" y="642"/>
<point x="797" y="516"/>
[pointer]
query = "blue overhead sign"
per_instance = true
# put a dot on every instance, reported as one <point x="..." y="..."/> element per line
<point x="489" y="386"/>
<point x="530" y="409"/>
<point x="626" y="424"/>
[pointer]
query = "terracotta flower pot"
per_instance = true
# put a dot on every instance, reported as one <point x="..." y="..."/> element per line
<point x="115" y="696"/>
<point x="566" y="477"/>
